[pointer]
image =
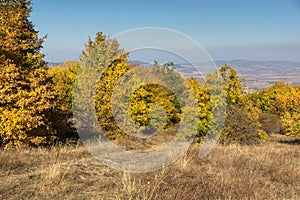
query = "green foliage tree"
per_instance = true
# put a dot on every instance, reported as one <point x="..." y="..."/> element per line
<point x="102" y="63"/>
<point x="26" y="90"/>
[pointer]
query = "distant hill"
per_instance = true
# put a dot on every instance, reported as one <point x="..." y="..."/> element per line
<point x="134" y="62"/>
<point x="53" y="64"/>
<point x="251" y="63"/>
<point x="257" y="74"/>
<point x="262" y="74"/>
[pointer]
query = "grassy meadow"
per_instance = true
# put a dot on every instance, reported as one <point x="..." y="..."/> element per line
<point x="268" y="171"/>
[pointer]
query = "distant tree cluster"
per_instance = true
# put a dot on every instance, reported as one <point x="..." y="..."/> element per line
<point x="280" y="108"/>
<point x="36" y="101"/>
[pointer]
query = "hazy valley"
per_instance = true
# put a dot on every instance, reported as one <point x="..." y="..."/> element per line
<point x="257" y="74"/>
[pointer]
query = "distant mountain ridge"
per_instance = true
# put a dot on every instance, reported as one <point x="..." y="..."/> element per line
<point x="237" y="63"/>
<point x="257" y="74"/>
<point x="53" y="64"/>
<point x="248" y="63"/>
<point x="262" y="74"/>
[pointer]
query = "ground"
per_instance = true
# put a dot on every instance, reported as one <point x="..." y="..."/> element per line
<point x="268" y="171"/>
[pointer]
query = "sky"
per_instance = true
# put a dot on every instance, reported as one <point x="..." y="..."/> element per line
<point x="231" y="29"/>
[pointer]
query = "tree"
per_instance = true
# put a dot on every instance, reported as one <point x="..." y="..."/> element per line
<point x="138" y="106"/>
<point x="204" y="106"/>
<point x="102" y="63"/>
<point x="242" y="121"/>
<point x="232" y="85"/>
<point x="291" y="124"/>
<point x="25" y="88"/>
<point x="281" y="101"/>
<point x="64" y="76"/>
<point x="149" y="95"/>
<point x="216" y="93"/>
<point x="103" y="98"/>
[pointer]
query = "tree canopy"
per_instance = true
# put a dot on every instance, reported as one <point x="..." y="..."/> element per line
<point x="25" y="87"/>
<point x="36" y="101"/>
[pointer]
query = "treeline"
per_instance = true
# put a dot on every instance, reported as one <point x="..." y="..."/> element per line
<point x="279" y="108"/>
<point x="36" y="101"/>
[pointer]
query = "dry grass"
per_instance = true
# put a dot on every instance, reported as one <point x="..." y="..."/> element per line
<point x="269" y="171"/>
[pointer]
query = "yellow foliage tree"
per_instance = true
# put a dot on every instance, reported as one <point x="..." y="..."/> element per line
<point x="26" y="90"/>
<point x="64" y="76"/>
<point x="242" y="119"/>
<point x="204" y="106"/>
<point x="283" y="101"/>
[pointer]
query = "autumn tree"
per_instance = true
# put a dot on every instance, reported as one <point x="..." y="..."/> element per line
<point x="168" y="93"/>
<point x="280" y="102"/>
<point x="63" y="77"/>
<point x="242" y="123"/>
<point x="106" y="77"/>
<point x="25" y="88"/>
<point x="232" y="84"/>
<point x="102" y="63"/>
<point x="204" y="106"/>
<point x="139" y="105"/>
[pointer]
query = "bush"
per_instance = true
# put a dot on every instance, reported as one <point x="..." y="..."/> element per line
<point x="242" y="127"/>
<point x="270" y="123"/>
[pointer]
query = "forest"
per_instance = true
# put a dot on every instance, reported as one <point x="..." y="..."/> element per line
<point x="36" y="101"/>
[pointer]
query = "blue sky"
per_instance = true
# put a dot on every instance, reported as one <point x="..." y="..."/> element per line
<point x="231" y="29"/>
